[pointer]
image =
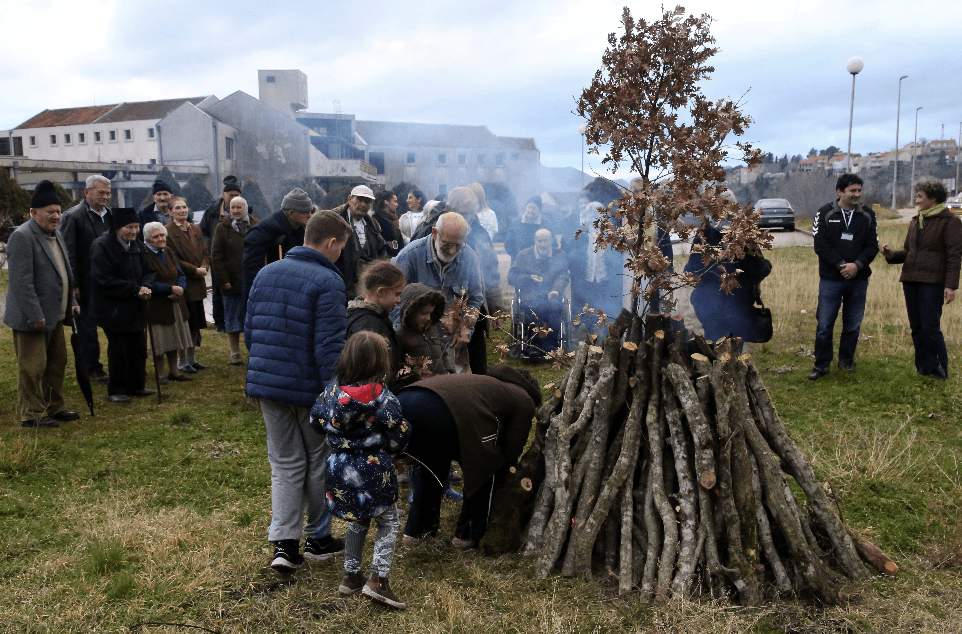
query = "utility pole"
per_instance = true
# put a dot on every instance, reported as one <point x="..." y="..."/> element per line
<point x="898" y="111"/>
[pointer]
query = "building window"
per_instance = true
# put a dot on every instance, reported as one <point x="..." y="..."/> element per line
<point x="127" y="135"/>
<point x="229" y="147"/>
<point x="18" y="146"/>
<point x="480" y="159"/>
<point x="150" y="133"/>
<point x="499" y="159"/>
<point x="66" y="139"/>
<point x="410" y="158"/>
<point x="270" y="79"/>
<point x="4" y="146"/>
<point x="96" y="137"/>
<point x="442" y="189"/>
<point x="112" y="135"/>
<point x="462" y="159"/>
<point x="81" y="137"/>
<point x="442" y="159"/>
<point x="129" y="161"/>
<point x="53" y="139"/>
<point x="516" y="156"/>
<point x="153" y="161"/>
<point x="33" y="141"/>
<point x="376" y="159"/>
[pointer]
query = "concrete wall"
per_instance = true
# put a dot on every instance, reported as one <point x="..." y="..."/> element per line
<point x="190" y="136"/>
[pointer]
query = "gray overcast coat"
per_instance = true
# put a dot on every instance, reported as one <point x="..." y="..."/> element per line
<point x="36" y="288"/>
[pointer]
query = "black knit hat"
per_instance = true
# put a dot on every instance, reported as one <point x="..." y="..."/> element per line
<point x="231" y="184"/>
<point x="123" y="216"/>
<point x="45" y="194"/>
<point x="161" y="186"/>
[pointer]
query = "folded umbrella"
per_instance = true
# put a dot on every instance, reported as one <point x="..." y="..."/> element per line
<point x="83" y="379"/>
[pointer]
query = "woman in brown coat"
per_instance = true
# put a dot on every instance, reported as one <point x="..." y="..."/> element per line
<point x="166" y="313"/>
<point x="931" y="259"/>
<point x="227" y="261"/>
<point x="185" y="239"/>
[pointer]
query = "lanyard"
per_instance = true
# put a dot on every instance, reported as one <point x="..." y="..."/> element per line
<point x="847" y="217"/>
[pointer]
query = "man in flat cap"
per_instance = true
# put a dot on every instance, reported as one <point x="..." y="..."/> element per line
<point x="270" y="239"/>
<point x="365" y="243"/>
<point x="39" y="299"/>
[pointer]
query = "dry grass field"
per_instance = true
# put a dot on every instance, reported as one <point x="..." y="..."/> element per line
<point x="152" y="518"/>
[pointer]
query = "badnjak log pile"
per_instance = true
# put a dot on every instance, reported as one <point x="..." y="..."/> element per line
<point x="670" y="472"/>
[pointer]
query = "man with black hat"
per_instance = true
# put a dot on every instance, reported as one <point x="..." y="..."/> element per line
<point x="365" y="243"/>
<point x="159" y="210"/>
<point x="121" y="280"/>
<point x="270" y="239"/>
<point x="40" y="297"/>
<point x="79" y="227"/>
<point x="212" y="215"/>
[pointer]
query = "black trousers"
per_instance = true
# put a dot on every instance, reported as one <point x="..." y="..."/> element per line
<point x="126" y="357"/>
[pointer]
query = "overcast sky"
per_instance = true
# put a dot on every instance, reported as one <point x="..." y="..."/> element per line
<point x="516" y="67"/>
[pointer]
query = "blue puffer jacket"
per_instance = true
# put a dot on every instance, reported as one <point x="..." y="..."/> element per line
<point x="295" y="327"/>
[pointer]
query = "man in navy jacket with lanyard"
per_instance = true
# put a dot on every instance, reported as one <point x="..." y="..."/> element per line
<point x="846" y="242"/>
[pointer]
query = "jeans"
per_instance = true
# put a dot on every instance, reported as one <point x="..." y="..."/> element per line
<point x="850" y="296"/>
<point x="924" y="305"/>
<point x="297" y="454"/>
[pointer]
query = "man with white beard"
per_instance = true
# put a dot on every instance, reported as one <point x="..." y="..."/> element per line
<point x="445" y="263"/>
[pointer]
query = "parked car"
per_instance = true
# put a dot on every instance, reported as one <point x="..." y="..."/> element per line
<point x="955" y="205"/>
<point x="775" y="212"/>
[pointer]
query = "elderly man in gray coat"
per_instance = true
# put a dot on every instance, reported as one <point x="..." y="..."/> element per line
<point x="40" y="297"/>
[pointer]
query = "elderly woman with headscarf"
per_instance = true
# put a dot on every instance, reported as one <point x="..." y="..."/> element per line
<point x="186" y="240"/>
<point x="931" y="258"/>
<point x="227" y="264"/>
<point x="166" y="310"/>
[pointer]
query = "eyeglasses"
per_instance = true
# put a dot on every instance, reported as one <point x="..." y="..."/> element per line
<point x="451" y="245"/>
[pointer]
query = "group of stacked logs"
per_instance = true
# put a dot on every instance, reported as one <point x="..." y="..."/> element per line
<point x="673" y="471"/>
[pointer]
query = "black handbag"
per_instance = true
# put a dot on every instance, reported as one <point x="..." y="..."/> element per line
<point x="762" y="318"/>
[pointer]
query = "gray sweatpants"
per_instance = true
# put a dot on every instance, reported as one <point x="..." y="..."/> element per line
<point x="385" y="540"/>
<point x="297" y="454"/>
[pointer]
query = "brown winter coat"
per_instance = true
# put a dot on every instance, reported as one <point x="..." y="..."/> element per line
<point x="191" y="252"/>
<point x="934" y="255"/>
<point x="227" y="256"/>
<point x="493" y="414"/>
<point x="160" y="308"/>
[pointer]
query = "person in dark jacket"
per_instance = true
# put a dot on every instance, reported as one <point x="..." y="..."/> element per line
<point x="931" y="258"/>
<point x="540" y="273"/>
<point x="213" y="215"/>
<point x="385" y="214"/>
<point x="419" y="335"/>
<point x="227" y="261"/>
<point x="725" y="314"/>
<point x="38" y="301"/>
<point x="122" y="279"/>
<point x="846" y="242"/>
<point x="274" y="236"/>
<point x="521" y="234"/>
<point x="381" y="285"/>
<point x="79" y="227"/>
<point x="166" y="310"/>
<point x="365" y="244"/>
<point x="481" y="421"/>
<point x="294" y="331"/>
<point x="159" y="210"/>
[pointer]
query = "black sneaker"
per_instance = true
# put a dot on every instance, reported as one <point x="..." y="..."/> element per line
<point x="351" y="583"/>
<point x="378" y="589"/>
<point x="323" y="549"/>
<point x="287" y="559"/>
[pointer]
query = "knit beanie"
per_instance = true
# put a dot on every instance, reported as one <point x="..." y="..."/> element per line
<point x="123" y="216"/>
<point x="297" y="200"/>
<point x="45" y="194"/>
<point x="231" y="184"/>
<point x="161" y="186"/>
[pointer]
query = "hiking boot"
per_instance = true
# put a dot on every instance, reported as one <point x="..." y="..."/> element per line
<point x="378" y="589"/>
<point x="351" y="583"/>
<point x="235" y="359"/>
<point x="323" y="549"/>
<point x="287" y="559"/>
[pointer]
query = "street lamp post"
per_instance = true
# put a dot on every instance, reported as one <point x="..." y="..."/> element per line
<point x="958" y="156"/>
<point x="581" y="130"/>
<point x="915" y="143"/>
<point x="898" y="112"/>
<point x="854" y="66"/>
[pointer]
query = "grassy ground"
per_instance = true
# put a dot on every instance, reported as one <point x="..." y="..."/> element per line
<point x="152" y="514"/>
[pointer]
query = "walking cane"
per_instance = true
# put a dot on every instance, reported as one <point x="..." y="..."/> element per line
<point x="150" y="335"/>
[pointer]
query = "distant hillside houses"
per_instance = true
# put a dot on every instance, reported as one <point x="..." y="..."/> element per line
<point x="271" y="140"/>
